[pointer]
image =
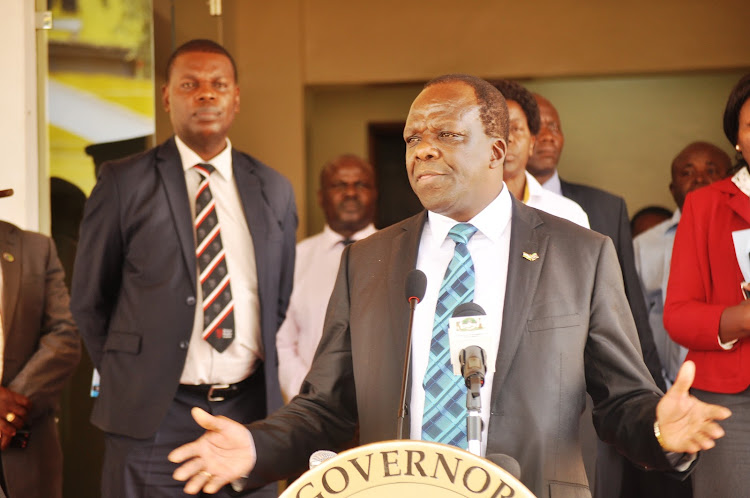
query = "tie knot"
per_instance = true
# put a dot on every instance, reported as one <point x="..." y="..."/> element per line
<point x="204" y="169"/>
<point x="462" y="232"/>
<point x="347" y="242"/>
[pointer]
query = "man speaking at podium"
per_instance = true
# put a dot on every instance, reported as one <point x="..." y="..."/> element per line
<point x="555" y="288"/>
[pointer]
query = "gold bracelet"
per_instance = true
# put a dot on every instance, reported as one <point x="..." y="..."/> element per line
<point x="659" y="437"/>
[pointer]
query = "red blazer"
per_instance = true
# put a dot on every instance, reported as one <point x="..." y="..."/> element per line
<point x="704" y="280"/>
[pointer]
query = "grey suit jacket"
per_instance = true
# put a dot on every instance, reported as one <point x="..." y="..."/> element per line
<point x="41" y="351"/>
<point x="608" y="215"/>
<point x="135" y="279"/>
<point x="567" y="329"/>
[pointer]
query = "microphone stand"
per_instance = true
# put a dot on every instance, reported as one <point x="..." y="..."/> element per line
<point x="474" y="416"/>
<point x="473" y="367"/>
<point x="405" y="375"/>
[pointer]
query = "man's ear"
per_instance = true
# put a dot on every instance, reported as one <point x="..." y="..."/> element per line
<point x="497" y="158"/>
<point x="165" y="97"/>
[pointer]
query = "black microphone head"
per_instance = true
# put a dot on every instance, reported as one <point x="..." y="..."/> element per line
<point x="468" y="309"/>
<point x="507" y="463"/>
<point x="416" y="284"/>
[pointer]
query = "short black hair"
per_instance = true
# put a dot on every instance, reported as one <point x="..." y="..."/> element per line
<point x="493" y="111"/>
<point x="737" y="98"/>
<point x="200" y="45"/>
<point x="518" y="93"/>
<point x="650" y="210"/>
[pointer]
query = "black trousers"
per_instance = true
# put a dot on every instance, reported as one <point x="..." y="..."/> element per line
<point x="138" y="468"/>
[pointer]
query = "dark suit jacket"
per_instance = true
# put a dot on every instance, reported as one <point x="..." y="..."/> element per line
<point x="42" y="349"/>
<point x="566" y="330"/>
<point x="135" y="280"/>
<point x="608" y="215"/>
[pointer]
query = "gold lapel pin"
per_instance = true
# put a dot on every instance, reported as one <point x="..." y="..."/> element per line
<point x="531" y="257"/>
<point x="8" y="257"/>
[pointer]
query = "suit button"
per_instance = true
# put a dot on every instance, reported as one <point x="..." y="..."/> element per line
<point x="190" y="300"/>
<point x="184" y="344"/>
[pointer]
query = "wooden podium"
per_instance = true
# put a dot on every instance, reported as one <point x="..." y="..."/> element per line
<point x="406" y="468"/>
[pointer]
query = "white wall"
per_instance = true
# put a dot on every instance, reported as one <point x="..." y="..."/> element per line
<point x="18" y="112"/>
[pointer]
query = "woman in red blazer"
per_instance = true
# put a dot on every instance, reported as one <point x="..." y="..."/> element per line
<point x="705" y="310"/>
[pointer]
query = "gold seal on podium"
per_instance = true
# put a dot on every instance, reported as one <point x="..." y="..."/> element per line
<point x="406" y="468"/>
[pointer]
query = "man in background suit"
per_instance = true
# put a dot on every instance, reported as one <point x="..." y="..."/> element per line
<point x="183" y="276"/>
<point x="40" y="349"/>
<point x="608" y="215"/>
<point x="555" y="288"/>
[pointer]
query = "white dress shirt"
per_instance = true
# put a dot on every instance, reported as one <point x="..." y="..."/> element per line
<point x="549" y="202"/>
<point x="205" y="365"/>
<point x="553" y="184"/>
<point x="315" y="269"/>
<point x="489" y="251"/>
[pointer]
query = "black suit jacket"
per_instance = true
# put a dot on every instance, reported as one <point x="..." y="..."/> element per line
<point x="135" y="279"/>
<point x="566" y="330"/>
<point x="608" y="215"/>
<point x="41" y="351"/>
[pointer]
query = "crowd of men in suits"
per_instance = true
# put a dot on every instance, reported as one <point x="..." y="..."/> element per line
<point x="183" y="295"/>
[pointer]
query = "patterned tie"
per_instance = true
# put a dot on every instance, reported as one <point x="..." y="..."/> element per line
<point x="218" y="316"/>
<point x="444" y="419"/>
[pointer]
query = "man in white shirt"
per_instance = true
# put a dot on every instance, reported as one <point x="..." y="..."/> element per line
<point x="697" y="165"/>
<point x="183" y="275"/>
<point x="552" y="288"/>
<point x="347" y="195"/>
<point x="523" y="115"/>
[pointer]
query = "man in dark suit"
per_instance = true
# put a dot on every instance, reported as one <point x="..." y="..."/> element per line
<point x="608" y="215"/>
<point x="40" y="350"/>
<point x="553" y="286"/>
<point x="183" y="275"/>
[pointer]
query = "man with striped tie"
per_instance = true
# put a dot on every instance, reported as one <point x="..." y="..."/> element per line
<point x="552" y="289"/>
<point x="183" y="276"/>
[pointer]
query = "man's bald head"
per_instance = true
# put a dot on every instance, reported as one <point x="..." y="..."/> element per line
<point x="348" y="194"/>
<point x="697" y="165"/>
<point x="549" y="142"/>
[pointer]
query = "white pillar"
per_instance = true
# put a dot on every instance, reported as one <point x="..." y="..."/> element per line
<point x="19" y="162"/>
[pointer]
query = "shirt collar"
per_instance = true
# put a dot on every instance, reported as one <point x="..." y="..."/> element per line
<point x="553" y="184"/>
<point x="221" y="161"/>
<point x="673" y="221"/>
<point x="533" y="187"/>
<point x="491" y="221"/>
<point x="332" y="238"/>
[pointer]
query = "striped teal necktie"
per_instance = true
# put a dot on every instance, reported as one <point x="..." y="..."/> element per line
<point x="444" y="419"/>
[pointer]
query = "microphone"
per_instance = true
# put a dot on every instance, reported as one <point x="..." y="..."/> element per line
<point x="473" y="358"/>
<point x="507" y="463"/>
<point x="321" y="456"/>
<point x="473" y="367"/>
<point x="6" y="193"/>
<point x="473" y="364"/>
<point x="416" y="284"/>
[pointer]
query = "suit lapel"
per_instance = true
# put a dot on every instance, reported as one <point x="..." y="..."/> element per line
<point x="10" y="252"/>
<point x="173" y="177"/>
<point x="523" y="277"/>
<point x="737" y="200"/>
<point x="256" y="211"/>
<point x="403" y="259"/>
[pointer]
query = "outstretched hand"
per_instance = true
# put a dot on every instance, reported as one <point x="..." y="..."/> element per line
<point x="223" y="454"/>
<point x="687" y="424"/>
